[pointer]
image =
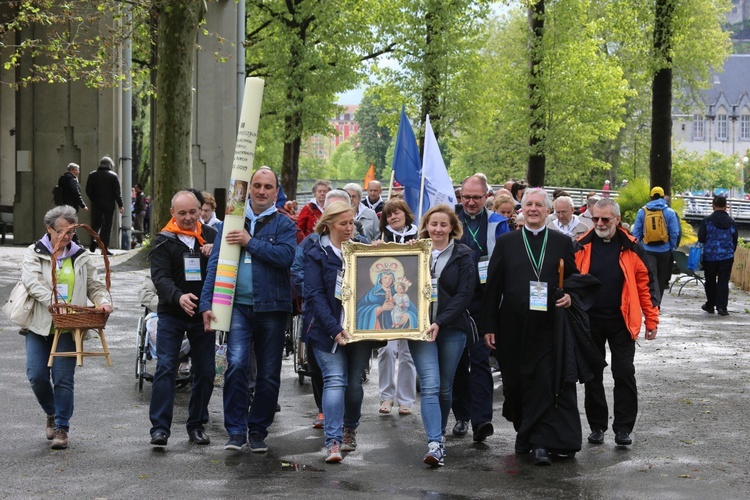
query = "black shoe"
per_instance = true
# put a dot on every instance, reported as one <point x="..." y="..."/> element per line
<point x="483" y="430"/>
<point x="541" y="457"/>
<point x="722" y="312"/>
<point x="521" y="448"/>
<point x="709" y="310"/>
<point x="92" y="248"/>
<point x="622" y="438"/>
<point x="159" y="438"/>
<point x="596" y="437"/>
<point x="461" y="428"/>
<point x="198" y="436"/>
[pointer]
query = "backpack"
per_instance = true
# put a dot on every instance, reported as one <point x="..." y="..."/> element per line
<point x="654" y="227"/>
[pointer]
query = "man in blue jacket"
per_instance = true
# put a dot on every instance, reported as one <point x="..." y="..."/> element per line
<point x="718" y="233"/>
<point x="659" y="253"/>
<point x="472" y="385"/>
<point x="262" y="304"/>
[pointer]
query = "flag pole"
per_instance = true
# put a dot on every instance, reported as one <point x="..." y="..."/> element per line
<point x="390" y="186"/>
<point x="421" y="187"/>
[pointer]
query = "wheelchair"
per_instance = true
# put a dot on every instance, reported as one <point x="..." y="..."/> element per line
<point x="145" y="351"/>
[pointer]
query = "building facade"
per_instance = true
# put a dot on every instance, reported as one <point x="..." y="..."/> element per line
<point x="43" y="127"/>
<point x="321" y="147"/>
<point x="721" y="120"/>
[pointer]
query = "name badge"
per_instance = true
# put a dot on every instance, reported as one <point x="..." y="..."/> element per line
<point x="482" y="266"/>
<point x="62" y="292"/>
<point x="192" y="268"/>
<point x="433" y="295"/>
<point x="248" y="257"/>
<point x="339" y="281"/>
<point x="538" y="296"/>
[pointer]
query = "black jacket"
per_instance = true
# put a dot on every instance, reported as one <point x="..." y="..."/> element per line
<point x="103" y="188"/>
<point x="71" y="190"/>
<point x="456" y="289"/>
<point x="168" y="271"/>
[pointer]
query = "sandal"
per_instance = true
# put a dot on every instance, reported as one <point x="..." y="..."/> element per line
<point x="385" y="406"/>
<point x="404" y="410"/>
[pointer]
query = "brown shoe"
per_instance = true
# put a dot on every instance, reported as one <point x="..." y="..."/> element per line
<point x="59" y="440"/>
<point x="50" y="430"/>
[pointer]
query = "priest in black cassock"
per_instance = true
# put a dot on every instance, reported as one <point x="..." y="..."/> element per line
<point x="519" y="309"/>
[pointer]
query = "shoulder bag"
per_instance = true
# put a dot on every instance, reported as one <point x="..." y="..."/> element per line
<point x="20" y="306"/>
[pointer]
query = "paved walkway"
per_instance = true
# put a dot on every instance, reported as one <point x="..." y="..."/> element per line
<point x="690" y="438"/>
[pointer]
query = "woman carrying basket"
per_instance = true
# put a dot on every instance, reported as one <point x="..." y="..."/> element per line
<point x="76" y="281"/>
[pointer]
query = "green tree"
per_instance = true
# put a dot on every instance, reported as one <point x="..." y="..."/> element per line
<point x="308" y="52"/>
<point x="437" y="54"/>
<point x="373" y="137"/>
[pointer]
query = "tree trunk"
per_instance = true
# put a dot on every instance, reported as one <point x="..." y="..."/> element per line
<point x="178" y="26"/>
<point x="660" y="157"/>
<point x="431" y="74"/>
<point x="535" y="169"/>
<point x="290" y="162"/>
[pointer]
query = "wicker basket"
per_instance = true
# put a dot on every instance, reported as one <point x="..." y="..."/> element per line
<point x="70" y="316"/>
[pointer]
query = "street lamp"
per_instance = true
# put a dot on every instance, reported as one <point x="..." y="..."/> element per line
<point x="742" y="173"/>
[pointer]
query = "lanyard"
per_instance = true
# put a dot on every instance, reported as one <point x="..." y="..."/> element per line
<point x="474" y="233"/>
<point x="536" y="265"/>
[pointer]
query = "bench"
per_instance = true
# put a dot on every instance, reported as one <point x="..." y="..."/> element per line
<point x="5" y="225"/>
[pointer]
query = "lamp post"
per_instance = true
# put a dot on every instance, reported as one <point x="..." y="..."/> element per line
<point x="745" y="159"/>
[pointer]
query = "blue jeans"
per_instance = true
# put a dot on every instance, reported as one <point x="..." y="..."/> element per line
<point x="342" y="387"/>
<point x="264" y="334"/>
<point x="436" y="364"/>
<point x="169" y="334"/>
<point x="56" y="395"/>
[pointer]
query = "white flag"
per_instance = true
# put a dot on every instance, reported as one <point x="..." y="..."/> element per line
<point x="438" y="187"/>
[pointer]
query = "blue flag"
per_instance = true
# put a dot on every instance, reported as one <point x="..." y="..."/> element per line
<point x="407" y="165"/>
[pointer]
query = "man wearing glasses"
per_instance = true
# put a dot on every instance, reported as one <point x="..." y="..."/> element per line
<point x="472" y="385"/>
<point x="627" y="296"/>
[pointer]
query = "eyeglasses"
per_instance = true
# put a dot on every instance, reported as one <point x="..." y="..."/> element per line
<point x="605" y="220"/>
<point x="64" y="232"/>
<point x="471" y="198"/>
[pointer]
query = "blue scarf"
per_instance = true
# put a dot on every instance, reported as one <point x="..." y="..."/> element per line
<point x="255" y="218"/>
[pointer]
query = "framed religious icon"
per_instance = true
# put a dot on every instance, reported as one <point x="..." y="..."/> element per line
<point x="386" y="290"/>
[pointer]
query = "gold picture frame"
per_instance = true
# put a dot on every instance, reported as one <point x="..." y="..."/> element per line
<point x="400" y="311"/>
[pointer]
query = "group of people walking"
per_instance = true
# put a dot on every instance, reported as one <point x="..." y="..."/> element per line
<point x="545" y="300"/>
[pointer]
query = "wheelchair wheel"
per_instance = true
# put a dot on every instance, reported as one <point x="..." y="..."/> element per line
<point x="141" y="353"/>
<point x="299" y="354"/>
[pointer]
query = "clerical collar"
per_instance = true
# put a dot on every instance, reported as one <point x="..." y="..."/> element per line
<point x="475" y="216"/>
<point x="534" y="231"/>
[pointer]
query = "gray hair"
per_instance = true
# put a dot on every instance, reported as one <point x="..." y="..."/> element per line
<point x="609" y="202"/>
<point x="530" y="191"/>
<point x="107" y="162"/>
<point x="565" y="199"/>
<point x="353" y="186"/>
<point x="480" y="178"/>
<point x="592" y="200"/>
<point x="339" y="194"/>
<point x="66" y="212"/>
<point x="73" y="166"/>
<point x="321" y="182"/>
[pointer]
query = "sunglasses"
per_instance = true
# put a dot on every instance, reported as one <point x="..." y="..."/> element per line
<point x="605" y="220"/>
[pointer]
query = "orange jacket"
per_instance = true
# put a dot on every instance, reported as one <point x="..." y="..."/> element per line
<point x="638" y="292"/>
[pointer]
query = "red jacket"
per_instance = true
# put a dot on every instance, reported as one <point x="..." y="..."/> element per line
<point x="308" y="217"/>
<point x="638" y="292"/>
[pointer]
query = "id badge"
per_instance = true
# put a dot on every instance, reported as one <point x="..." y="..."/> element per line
<point x="482" y="265"/>
<point x="538" y="296"/>
<point x="433" y="295"/>
<point x="339" y="281"/>
<point x="192" y="268"/>
<point x="62" y="291"/>
<point x="248" y="257"/>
